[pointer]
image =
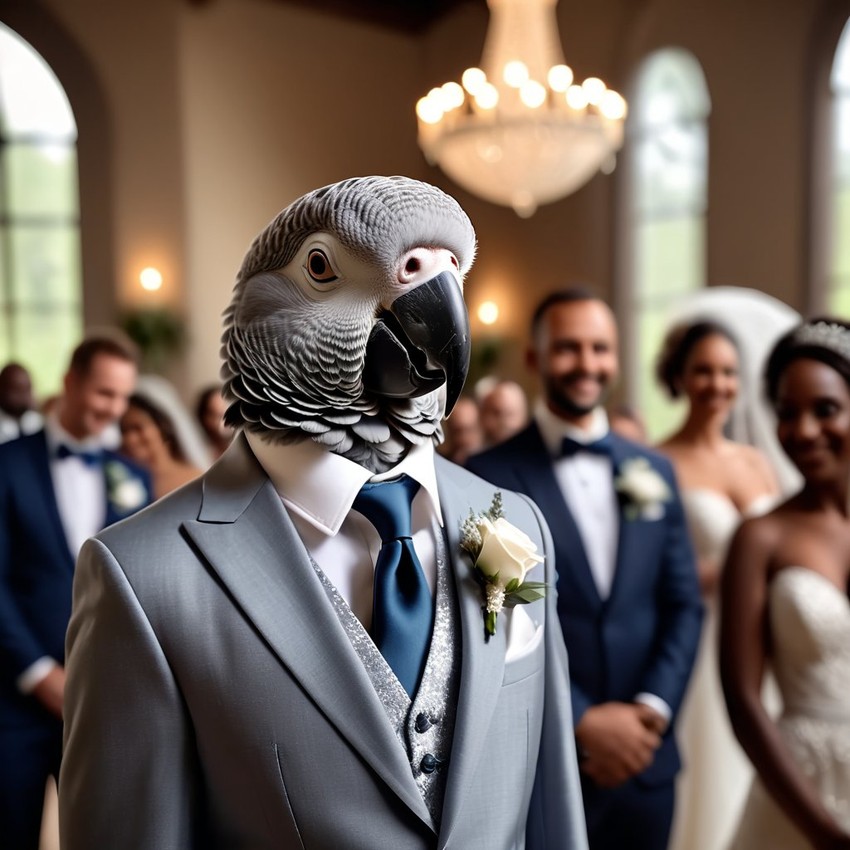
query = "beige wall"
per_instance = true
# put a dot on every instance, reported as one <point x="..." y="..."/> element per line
<point x="213" y="116"/>
<point x="279" y="100"/>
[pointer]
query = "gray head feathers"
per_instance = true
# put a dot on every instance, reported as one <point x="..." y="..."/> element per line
<point x="307" y="297"/>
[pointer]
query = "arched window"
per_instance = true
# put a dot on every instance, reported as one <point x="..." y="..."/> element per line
<point x="665" y="212"/>
<point x="838" y="272"/>
<point x="40" y="268"/>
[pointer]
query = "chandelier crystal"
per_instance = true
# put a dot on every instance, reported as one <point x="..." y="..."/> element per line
<point x="520" y="131"/>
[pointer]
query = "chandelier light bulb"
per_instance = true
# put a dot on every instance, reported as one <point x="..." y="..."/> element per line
<point x="515" y="74"/>
<point x="560" y="77"/>
<point x="487" y="96"/>
<point x="473" y="79"/>
<point x="613" y="106"/>
<point x="428" y="110"/>
<point x="452" y="95"/>
<point x="532" y="94"/>
<point x="576" y="97"/>
<point x="593" y="89"/>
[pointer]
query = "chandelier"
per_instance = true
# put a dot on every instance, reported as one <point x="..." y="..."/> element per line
<point x="520" y="131"/>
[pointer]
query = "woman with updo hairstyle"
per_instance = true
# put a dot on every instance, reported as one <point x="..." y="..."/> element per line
<point x="721" y="481"/>
<point x="149" y="436"/>
<point x="785" y="609"/>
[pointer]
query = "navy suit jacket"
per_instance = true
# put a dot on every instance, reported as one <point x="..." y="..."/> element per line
<point x="644" y="636"/>
<point x="36" y="565"/>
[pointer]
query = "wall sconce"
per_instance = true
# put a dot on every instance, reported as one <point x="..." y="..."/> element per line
<point x="150" y="279"/>
<point x="488" y="312"/>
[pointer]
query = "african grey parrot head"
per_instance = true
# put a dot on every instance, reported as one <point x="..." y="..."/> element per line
<point x="347" y="323"/>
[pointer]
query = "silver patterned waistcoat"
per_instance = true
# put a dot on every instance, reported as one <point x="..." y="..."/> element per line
<point x="424" y="725"/>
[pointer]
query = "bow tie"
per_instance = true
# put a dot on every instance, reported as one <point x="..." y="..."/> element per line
<point x="602" y="446"/>
<point x="89" y="458"/>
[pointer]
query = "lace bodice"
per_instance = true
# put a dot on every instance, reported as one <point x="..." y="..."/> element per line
<point x="810" y="626"/>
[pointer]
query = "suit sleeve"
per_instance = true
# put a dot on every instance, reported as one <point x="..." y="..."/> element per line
<point x="128" y="771"/>
<point x="556" y="814"/>
<point x="20" y="647"/>
<point x="680" y="608"/>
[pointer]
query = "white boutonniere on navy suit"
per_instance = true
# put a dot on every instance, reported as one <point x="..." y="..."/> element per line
<point x="642" y="489"/>
<point x="125" y="492"/>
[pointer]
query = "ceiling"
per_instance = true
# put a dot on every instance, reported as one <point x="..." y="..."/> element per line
<point x="406" y="15"/>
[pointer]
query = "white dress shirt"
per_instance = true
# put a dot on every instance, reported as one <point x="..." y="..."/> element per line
<point x="318" y="489"/>
<point x="586" y="481"/>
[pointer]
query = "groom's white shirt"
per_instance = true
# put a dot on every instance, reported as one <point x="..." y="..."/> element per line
<point x="318" y="488"/>
<point x="585" y="483"/>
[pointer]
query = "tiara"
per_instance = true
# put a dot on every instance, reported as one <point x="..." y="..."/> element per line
<point x="828" y="335"/>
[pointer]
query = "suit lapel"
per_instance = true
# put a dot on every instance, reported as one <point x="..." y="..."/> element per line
<point x="483" y="663"/>
<point x="535" y="471"/>
<point x="43" y="481"/>
<point x="627" y="542"/>
<point x="246" y="535"/>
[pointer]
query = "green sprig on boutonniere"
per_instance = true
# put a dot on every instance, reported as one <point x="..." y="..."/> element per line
<point x="501" y="556"/>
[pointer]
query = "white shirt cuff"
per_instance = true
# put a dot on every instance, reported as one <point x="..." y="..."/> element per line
<point x="35" y="673"/>
<point x="656" y="704"/>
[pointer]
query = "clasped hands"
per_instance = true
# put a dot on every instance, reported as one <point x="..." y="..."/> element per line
<point x="618" y="740"/>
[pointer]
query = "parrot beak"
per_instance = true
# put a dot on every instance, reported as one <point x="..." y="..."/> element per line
<point x="421" y="343"/>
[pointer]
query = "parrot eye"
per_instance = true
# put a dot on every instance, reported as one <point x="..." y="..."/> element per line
<point x="319" y="267"/>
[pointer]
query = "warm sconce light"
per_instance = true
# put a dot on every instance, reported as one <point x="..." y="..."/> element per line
<point x="488" y="312"/>
<point x="150" y="279"/>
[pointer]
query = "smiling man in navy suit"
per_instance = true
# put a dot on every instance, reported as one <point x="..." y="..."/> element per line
<point x="58" y="487"/>
<point x="628" y="596"/>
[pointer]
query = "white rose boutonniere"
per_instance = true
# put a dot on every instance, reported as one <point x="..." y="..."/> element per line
<point x="643" y="490"/>
<point x="502" y="555"/>
<point x="125" y="492"/>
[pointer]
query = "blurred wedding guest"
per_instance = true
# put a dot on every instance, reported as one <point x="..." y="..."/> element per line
<point x="784" y="597"/>
<point x="18" y="414"/>
<point x="628" y="595"/>
<point x="721" y="482"/>
<point x="503" y="411"/>
<point x="462" y="431"/>
<point x="627" y="422"/>
<point x="58" y="487"/>
<point x="209" y="411"/>
<point x="150" y="437"/>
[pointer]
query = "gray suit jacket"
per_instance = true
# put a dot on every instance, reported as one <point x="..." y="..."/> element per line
<point x="214" y="700"/>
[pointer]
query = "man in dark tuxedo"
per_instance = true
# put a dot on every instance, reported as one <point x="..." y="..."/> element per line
<point x="58" y="487"/>
<point x="628" y="596"/>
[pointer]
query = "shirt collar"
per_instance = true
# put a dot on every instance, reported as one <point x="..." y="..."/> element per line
<point x="321" y="486"/>
<point x="56" y="436"/>
<point x="553" y="429"/>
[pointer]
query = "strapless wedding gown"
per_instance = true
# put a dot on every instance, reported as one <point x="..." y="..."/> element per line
<point x="810" y="625"/>
<point x="715" y="779"/>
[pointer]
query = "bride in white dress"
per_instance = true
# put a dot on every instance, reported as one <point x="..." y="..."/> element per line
<point x="721" y="481"/>
<point x="785" y="605"/>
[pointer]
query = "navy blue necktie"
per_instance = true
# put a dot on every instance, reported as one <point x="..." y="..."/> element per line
<point x="91" y="458"/>
<point x="571" y="447"/>
<point x="403" y="610"/>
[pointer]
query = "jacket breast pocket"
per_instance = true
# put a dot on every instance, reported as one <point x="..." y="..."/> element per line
<point x="529" y="659"/>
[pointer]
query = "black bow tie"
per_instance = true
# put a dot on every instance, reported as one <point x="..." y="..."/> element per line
<point x="89" y="458"/>
<point x="602" y="446"/>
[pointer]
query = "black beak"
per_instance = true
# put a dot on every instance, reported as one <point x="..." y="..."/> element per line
<point x="421" y="343"/>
